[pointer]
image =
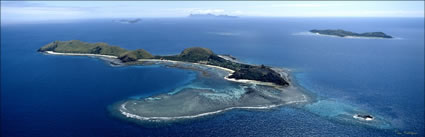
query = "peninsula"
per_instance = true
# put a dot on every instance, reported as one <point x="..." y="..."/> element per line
<point x="199" y="55"/>
<point x="344" y="33"/>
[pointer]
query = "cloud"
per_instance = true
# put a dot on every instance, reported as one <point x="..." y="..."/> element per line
<point x="64" y="10"/>
<point x="209" y="11"/>
<point x="20" y="4"/>
<point x="24" y="11"/>
<point x="237" y="12"/>
<point x="206" y="11"/>
<point x="365" y="13"/>
<point x="43" y="11"/>
<point x="299" y="5"/>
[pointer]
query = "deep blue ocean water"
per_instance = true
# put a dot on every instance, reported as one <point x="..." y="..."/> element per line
<point x="45" y="95"/>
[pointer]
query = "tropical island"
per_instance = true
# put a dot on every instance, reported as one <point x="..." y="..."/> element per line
<point x="344" y="33"/>
<point x="193" y="55"/>
<point x="222" y="84"/>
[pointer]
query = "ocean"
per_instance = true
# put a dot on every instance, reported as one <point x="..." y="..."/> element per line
<point x="47" y="95"/>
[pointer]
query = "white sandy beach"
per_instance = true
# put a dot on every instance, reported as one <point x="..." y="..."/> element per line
<point x="217" y="67"/>
<point x="129" y="115"/>
<point x="80" y="54"/>
<point x="172" y="61"/>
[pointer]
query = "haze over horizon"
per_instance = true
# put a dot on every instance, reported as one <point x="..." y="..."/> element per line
<point x="39" y="11"/>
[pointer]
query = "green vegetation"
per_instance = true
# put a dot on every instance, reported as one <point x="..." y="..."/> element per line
<point x="343" y="33"/>
<point x="135" y="55"/>
<point x="194" y="55"/>
<point x="76" y="46"/>
<point x="242" y="71"/>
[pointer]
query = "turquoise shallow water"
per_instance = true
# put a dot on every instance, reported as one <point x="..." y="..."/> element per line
<point x="68" y="96"/>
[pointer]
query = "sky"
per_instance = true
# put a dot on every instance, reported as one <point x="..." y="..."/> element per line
<point x="36" y="11"/>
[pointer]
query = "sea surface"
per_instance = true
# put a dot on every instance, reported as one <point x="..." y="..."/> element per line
<point x="50" y="96"/>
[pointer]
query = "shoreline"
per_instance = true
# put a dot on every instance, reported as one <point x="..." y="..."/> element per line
<point x="172" y="61"/>
<point x="129" y="115"/>
<point x="225" y="69"/>
<point x="122" y="110"/>
<point x="79" y="54"/>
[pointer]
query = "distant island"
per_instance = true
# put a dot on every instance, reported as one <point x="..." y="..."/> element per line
<point x="199" y="55"/>
<point x="129" y="21"/>
<point x="344" y="33"/>
<point x="211" y="16"/>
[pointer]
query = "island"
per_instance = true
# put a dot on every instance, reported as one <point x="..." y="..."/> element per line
<point x="211" y="16"/>
<point x="193" y="55"/>
<point x="222" y="83"/>
<point x="344" y="33"/>
<point x="129" y="21"/>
